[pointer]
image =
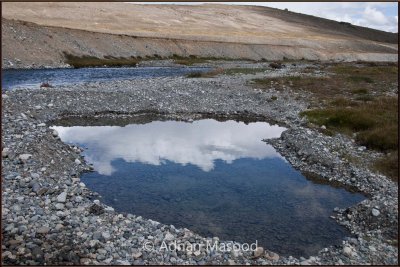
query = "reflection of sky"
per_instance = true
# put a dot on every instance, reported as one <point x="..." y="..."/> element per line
<point x="199" y="143"/>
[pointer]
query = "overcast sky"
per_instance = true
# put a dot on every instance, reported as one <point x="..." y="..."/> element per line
<point x="377" y="15"/>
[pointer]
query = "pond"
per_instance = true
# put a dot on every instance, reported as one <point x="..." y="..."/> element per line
<point x="215" y="178"/>
<point x="33" y="78"/>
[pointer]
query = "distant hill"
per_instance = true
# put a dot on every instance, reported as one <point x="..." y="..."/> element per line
<point x="123" y="29"/>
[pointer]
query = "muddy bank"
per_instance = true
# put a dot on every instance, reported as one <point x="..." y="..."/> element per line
<point x="51" y="217"/>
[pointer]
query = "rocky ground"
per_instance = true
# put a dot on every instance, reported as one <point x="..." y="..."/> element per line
<point x="50" y="217"/>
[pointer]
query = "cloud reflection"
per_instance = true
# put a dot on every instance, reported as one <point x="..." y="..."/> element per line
<point x="199" y="143"/>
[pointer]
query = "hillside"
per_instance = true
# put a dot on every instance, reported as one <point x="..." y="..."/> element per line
<point x="124" y="30"/>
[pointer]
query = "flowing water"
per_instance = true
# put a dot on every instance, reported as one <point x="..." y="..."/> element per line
<point x="215" y="178"/>
<point x="33" y="78"/>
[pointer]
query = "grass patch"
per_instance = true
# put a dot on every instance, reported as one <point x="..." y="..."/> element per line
<point x="360" y="91"/>
<point x="358" y="79"/>
<point x="375" y="123"/>
<point x="207" y="74"/>
<point x="90" y="61"/>
<point x="363" y="107"/>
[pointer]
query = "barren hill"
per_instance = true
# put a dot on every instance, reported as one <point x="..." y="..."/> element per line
<point x="123" y="29"/>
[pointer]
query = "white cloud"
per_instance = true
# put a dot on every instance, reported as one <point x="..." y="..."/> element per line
<point x="199" y="143"/>
<point x="373" y="16"/>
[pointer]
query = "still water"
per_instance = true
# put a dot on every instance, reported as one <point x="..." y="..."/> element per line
<point x="215" y="178"/>
<point x="33" y="78"/>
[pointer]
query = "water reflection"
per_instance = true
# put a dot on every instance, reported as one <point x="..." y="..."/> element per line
<point x="199" y="143"/>
<point x="215" y="178"/>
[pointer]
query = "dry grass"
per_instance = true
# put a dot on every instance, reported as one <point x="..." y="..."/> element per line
<point x="352" y="99"/>
<point x="207" y="74"/>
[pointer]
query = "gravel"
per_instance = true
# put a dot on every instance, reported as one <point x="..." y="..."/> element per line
<point x="50" y="217"/>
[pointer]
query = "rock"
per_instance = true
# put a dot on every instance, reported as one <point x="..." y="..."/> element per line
<point x="41" y="124"/>
<point x="106" y="235"/>
<point x="25" y="157"/>
<point x="62" y="197"/>
<point x="258" y="252"/>
<point x="169" y="237"/>
<point x="136" y="254"/>
<point x="85" y="261"/>
<point x="77" y="161"/>
<point x="59" y="206"/>
<point x="43" y="230"/>
<point x="271" y="256"/>
<point x="197" y="253"/>
<point x="96" y="209"/>
<point x="375" y="212"/>
<point x="347" y="251"/>
<point x="5" y="152"/>
<point x="54" y="133"/>
<point x="35" y="187"/>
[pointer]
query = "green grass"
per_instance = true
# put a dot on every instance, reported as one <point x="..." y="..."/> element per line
<point x="376" y="123"/>
<point x="358" y="79"/>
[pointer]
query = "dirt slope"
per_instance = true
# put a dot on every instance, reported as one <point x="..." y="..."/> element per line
<point x="122" y="29"/>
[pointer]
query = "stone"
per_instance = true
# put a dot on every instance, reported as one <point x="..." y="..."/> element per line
<point x="54" y="133"/>
<point x="5" y="152"/>
<point x="136" y="254"/>
<point x="258" y="252"/>
<point x="347" y="251"/>
<point x="43" y="230"/>
<point x="25" y="157"/>
<point x="271" y="256"/>
<point x="197" y="253"/>
<point x="169" y="236"/>
<point x="62" y="197"/>
<point x="77" y="161"/>
<point x="96" y="209"/>
<point x="59" y="206"/>
<point x="35" y="187"/>
<point x="375" y="212"/>
<point x="106" y="235"/>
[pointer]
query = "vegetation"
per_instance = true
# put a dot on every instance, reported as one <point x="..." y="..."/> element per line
<point x="366" y="109"/>
<point x="90" y="61"/>
<point x="207" y="74"/>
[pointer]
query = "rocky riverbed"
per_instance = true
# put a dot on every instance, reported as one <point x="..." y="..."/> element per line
<point x="49" y="216"/>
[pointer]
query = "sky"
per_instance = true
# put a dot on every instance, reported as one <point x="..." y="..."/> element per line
<point x="377" y="15"/>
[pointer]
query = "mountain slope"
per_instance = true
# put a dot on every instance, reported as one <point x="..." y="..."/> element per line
<point x="123" y="29"/>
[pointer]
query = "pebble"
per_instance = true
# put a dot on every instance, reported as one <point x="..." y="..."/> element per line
<point x="62" y="197"/>
<point x="25" y="157"/>
<point x="375" y="212"/>
<point x="5" y="152"/>
<point x="43" y="230"/>
<point x="258" y="252"/>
